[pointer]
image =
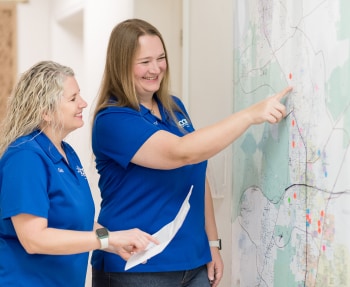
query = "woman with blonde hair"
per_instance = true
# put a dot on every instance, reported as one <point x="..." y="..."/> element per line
<point x="46" y="209"/>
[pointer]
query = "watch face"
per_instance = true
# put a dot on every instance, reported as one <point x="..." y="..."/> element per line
<point x="101" y="232"/>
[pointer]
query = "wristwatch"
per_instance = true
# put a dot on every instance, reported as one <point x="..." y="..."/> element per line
<point x="215" y="243"/>
<point x="102" y="234"/>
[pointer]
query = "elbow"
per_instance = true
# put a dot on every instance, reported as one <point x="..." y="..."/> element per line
<point x="190" y="159"/>
<point x="30" y="251"/>
<point x="191" y="156"/>
<point x="179" y="158"/>
<point x="30" y="247"/>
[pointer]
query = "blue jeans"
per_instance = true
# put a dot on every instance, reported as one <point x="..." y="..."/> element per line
<point x="191" y="278"/>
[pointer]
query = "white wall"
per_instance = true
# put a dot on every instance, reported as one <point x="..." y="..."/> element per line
<point x="76" y="32"/>
<point x="33" y="33"/>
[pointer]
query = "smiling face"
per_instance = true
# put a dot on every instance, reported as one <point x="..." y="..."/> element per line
<point x="149" y="66"/>
<point x="71" y="106"/>
<point x="68" y="116"/>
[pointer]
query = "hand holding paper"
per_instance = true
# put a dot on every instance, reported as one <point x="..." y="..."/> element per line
<point x="164" y="236"/>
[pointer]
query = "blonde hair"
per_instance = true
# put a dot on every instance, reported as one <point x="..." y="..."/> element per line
<point x="37" y="92"/>
<point x="118" y="81"/>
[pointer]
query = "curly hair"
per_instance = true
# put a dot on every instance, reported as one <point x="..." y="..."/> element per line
<point x="37" y="92"/>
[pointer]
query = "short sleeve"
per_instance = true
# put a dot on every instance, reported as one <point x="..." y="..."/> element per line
<point x="24" y="181"/>
<point x="118" y="134"/>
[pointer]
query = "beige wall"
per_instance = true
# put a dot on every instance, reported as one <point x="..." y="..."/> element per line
<point x="210" y="98"/>
<point x="8" y="49"/>
<point x="167" y="17"/>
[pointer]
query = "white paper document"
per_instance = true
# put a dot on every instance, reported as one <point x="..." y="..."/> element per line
<point x="163" y="235"/>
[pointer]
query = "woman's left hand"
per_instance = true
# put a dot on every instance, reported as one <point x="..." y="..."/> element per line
<point x="215" y="267"/>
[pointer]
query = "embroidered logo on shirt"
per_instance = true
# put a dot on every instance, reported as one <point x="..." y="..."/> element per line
<point x="81" y="171"/>
<point x="184" y="123"/>
<point x="60" y="170"/>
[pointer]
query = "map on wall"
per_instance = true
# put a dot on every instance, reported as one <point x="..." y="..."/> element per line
<point x="291" y="193"/>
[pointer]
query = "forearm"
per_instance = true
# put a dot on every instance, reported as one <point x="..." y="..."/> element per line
<point x="210" y="223"/>
<point x="207" y="142"/>
<point x="37" y="238"/>
<point x="164" y="150"/>
<point x="216" y="266"/>
<point x="60" y="242"/>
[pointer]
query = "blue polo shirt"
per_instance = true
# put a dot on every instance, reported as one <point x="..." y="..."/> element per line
<point x="35" y="179"/>
<point x="146" y="198"/>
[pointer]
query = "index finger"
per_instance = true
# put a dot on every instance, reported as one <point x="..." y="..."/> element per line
<point x="281" y="94"/>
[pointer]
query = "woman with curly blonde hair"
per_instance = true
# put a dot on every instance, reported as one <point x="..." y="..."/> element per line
<point x="46" y="209"/>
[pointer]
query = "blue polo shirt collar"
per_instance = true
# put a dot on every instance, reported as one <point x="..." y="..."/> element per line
<point x="47" y="146"/>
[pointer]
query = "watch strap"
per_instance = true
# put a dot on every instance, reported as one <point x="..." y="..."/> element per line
<point x="103" y="234"/>
<point x="215" y="243"/>
<point x="104" y="242"/>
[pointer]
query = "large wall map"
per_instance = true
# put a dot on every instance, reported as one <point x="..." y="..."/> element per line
<point x="291" y="213"/>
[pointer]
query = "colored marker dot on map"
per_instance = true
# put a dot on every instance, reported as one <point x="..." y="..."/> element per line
<point x="308" y="218"/>
<point x="290" y="76"/>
